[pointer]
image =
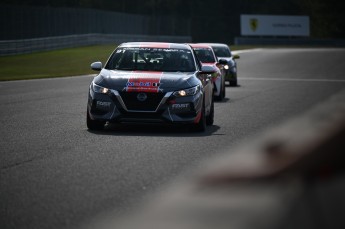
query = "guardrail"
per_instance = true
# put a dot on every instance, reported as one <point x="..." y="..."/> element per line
<point x="289" y="177"/>
<point x="14" y="47"/>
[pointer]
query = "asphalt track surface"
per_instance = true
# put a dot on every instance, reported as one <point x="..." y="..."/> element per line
<point x="57" y="174"/>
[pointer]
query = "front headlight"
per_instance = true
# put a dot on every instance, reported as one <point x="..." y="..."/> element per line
<point x="98" y="89"/>
<point x="226" y="67"/>
<point x="187" y="92"/>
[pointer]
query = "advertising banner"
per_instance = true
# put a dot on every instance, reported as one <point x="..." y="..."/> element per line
<point x="267" y="25"/>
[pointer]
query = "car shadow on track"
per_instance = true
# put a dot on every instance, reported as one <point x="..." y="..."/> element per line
<point x="154" y="130"/>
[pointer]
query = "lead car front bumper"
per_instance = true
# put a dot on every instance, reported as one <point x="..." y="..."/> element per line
<point x="124" y="107"/>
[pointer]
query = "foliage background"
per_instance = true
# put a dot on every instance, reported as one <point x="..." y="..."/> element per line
<point x="218" y="20"/>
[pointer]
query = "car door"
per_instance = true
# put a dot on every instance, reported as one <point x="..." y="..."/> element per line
<point x="207" y="83"/>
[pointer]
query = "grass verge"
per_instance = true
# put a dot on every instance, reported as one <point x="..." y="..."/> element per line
<point x="58" y="63"/>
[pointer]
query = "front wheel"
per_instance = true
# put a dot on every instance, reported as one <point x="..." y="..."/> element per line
<point x="201" y="125"/>
<point x="221" y="95"/>
<point x="94" y="124"/>
<point x="223" y="90"/>
<point x="233" y="82"/>
<point x="210" y="116"/>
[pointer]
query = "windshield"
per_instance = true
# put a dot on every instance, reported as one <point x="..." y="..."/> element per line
<point x="222" y="51"/>
<point x="205" y="55"/>
<point x="152" y="59"/>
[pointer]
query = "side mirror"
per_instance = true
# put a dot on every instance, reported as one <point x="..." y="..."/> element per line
<point x="97" y="66"/>
<point x="235" y="57"/>
<point x="206" y="69"/>
<point x="222" y="61"/>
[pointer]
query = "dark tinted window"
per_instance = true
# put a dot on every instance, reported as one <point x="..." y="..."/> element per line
<point x="222" y="51"/>
<point x="152" y="59"/>
<point x="205" y="55"/>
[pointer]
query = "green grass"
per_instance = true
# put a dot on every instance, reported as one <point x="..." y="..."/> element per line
<point x="59" y="63"/>
<point x="64" y="62"/>
<point x="242" y="47"/>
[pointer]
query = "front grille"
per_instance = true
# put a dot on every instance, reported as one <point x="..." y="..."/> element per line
<point x="150" y="104"/>
<point x="141" y="117"/>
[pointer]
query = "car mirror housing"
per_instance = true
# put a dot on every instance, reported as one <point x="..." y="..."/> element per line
<point x="208" y="69"/>
<point x="97" y="66"/>
<point x="223" y="61"/>
<point x="236" y="57"/>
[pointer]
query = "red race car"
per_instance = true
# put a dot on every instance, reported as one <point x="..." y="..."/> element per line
<point x="207" y="57"/>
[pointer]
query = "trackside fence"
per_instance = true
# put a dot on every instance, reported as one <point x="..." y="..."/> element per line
<point x="24" y="46"/>
<point x="27" y="29"/>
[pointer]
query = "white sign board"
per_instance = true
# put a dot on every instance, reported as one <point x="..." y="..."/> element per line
<point x="264" y="25"/>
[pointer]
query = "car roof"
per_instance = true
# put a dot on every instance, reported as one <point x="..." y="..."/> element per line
<point x="200" y="46"/>
<point x="155" y="45"/>
<point x="216" y="44"/>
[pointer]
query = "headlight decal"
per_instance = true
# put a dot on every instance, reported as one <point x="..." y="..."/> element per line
<point x="98" y="89"/>
<point x="103" y="104"/>
<point x="181" y="107"/>
<point x="187" y="92"/>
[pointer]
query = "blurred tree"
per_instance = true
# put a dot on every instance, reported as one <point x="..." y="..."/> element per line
<point x="213" y="18"/>
<point x="327" y="18"/>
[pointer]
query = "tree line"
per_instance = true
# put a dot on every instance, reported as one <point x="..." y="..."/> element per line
<point x="218" y="17"/>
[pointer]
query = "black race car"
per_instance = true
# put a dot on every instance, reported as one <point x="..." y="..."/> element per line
<point x="145" y="82"/>
<point x="223" y="51"/>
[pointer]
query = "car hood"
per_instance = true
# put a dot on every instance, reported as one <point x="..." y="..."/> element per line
<point x="230" y="60"/>
<point x="225" y="58"/>
<point x="209" y="63"/>
<point x="145" y="81"/>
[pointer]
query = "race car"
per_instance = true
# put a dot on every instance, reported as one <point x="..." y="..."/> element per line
<point x="206" y="56"/>
<point x="223" y="51"/>
<point x="146" y="82"/>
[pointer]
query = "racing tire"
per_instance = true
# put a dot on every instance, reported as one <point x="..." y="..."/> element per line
<point x="94" y="124"/>
<point x="201" y="125"/>
<point x="223" y="90"/>
<point x="233" y="83"/>
<point x="210" y="116"/>
<point x="221" y="95"/>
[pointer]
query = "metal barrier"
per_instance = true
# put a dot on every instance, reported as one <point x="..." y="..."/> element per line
<point x="27" y="21"/>
<point x="13" y="47"/>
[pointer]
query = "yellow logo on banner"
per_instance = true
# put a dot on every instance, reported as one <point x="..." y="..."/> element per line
<point x="254" y="23"/>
